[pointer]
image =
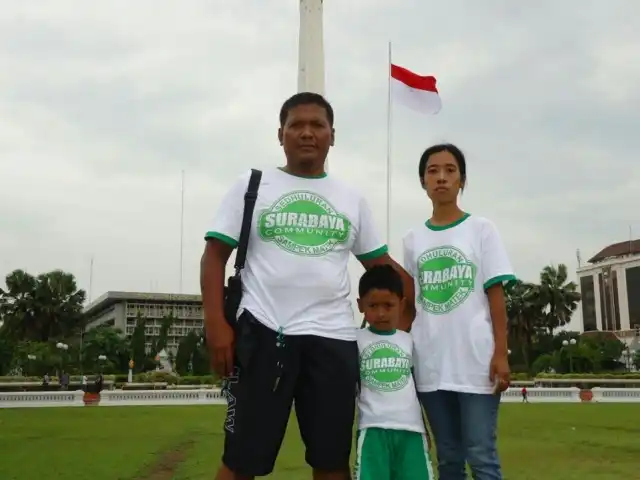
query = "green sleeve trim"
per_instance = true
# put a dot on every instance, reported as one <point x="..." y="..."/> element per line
<point x="504" y="279"/>
<point x="378" y="252"/>
<point x="222" y="237"/>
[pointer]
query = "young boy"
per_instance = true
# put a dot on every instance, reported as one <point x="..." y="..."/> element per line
<point x="392" y="443"/>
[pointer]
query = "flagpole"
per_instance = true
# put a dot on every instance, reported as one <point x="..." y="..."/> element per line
<point x="181" y="226"/>
<point x="389" y="148"/>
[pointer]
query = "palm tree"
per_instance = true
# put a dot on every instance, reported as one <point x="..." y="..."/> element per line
<point x="41" y="308"/>
<point x="524" y="312"/>
<point x="558" y="298"/>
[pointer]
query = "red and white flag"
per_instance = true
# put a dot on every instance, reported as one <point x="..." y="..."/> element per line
<point x="417" y="92"/>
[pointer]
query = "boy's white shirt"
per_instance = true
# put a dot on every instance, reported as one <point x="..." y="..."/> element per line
<point x="302" y="235"/>
<point x="388" y="397"/>
<point x="452" y="267"/>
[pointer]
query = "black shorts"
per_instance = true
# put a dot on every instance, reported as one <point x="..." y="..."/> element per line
<point x="319" y="374"/>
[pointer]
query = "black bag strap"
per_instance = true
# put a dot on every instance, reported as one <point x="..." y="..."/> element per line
<point x="249" y="204"/>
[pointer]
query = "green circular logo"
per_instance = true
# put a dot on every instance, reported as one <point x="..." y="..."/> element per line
<point x="304" y="223"/>
<point x="385" y="367"/>
<point x="446" y="278"/>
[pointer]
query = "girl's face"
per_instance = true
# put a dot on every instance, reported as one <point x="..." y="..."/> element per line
<point x="442" y="179"/>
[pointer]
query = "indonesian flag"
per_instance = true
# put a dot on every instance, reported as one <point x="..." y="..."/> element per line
<point x="414" y="91"/>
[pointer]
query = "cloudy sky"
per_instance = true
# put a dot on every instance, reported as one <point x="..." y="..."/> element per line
<point x="103" y="104"/>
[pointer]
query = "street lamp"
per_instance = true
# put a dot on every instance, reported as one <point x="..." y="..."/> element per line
<point x="566" y="343"/>
<point x="101" y="359"/>
<point x="63" y="347"/>
<point x="31" y="358"/>
<point x="628" y="360"/>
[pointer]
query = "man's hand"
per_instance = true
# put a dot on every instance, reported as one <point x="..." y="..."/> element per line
<point x="220" y="343"/>
<point x="499" y="371"/>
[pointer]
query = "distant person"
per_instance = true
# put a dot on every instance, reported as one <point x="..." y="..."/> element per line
<point x="525" y="395"/>
<point x="392" y="442"/>
<point x="296" y="334"/>
<point x="64" y="381"/>
<point x="46" y="380"/>
<point x="459" y="265"/>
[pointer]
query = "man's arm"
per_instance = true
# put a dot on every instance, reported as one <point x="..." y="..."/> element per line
<point x="409" y="313"/>
<point x="212" y="270"/>
<point x="221" y="239"/>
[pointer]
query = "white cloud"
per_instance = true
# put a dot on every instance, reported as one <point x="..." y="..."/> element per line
<point x="103" y="105"/>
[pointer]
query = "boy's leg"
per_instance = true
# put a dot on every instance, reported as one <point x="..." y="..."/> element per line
<point x="373" y="455"/>
<point x="411" y="459"/>
<point x="479" y="426"/>
<point x="443" y="413"/>
<point x="325" y="398"/>
<point x="256" y="415"/>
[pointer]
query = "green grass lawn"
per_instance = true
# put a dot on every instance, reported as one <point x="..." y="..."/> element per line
<point x="537" y="441"/>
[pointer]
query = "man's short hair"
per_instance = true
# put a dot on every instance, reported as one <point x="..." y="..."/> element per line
<point x="305" y="98"/>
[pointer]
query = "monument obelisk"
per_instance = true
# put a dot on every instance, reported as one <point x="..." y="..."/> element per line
<point x="311" y="48"/>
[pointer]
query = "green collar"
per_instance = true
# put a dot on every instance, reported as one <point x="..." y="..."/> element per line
<point x="322" y="175"/>
<point x="436" y="228"/>
<point x="381" y="332"/>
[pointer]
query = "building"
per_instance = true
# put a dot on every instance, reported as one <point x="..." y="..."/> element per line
<point x="121" y="310"/>
<point x="610" y="289"/>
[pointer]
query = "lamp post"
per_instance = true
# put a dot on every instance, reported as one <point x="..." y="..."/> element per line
<point x="566" y="343"/>
<point x="63" y="347"/>
<point x="626" y="355"/>
<point x="101" y="360"/>
<point x="31" y="358"/>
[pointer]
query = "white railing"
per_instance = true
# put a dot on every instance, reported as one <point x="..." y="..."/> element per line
<point x="214" y="397"/>
<point x="617" y="395"/>
<point x="543" y="394"/>
<point x="112" y="398"/>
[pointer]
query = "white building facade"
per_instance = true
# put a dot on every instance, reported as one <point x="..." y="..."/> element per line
<point x="610" y="289"/>
<point x="122" y="310"/>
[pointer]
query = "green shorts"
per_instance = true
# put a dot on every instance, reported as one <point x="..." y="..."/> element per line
<point x="384" y="454"/>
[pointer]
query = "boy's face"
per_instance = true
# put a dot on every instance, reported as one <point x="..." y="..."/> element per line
<point x="381" y="309"/>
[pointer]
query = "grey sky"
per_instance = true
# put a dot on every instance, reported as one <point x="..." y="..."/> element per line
<point x="103" y="103"/>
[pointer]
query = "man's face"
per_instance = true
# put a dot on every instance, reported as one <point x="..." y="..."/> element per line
<point x="306" y="135"/>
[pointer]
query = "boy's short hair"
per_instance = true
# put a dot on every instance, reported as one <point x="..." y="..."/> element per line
<point x="381" y="277"/>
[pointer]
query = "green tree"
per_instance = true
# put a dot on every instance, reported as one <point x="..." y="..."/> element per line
<point x="110" y="342"/>
<point x="41" y="308"/>
<point x="138" y="345"/>
<point x="557" y="297"/>
<point x="523" y="312"/>
<point x="636" y="360"/>
<point x="36" y="358"/>
<point x="7" y="347"/>
<point x="192" y="357"/>
<point x="161" y="341"/>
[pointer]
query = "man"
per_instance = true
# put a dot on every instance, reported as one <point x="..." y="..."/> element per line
<point x="296" y="337"/>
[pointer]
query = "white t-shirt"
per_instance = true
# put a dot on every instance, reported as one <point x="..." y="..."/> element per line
<point x="388" y="397"/>
<point x="452" y="267"/>
<point x="302" y="234"/>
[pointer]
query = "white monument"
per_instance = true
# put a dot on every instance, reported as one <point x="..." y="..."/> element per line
<point x="163" y="361"/>
<point x="311" y="48"/>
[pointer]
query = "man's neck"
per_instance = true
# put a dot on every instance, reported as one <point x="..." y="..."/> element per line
<point x="312" y="171"/>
